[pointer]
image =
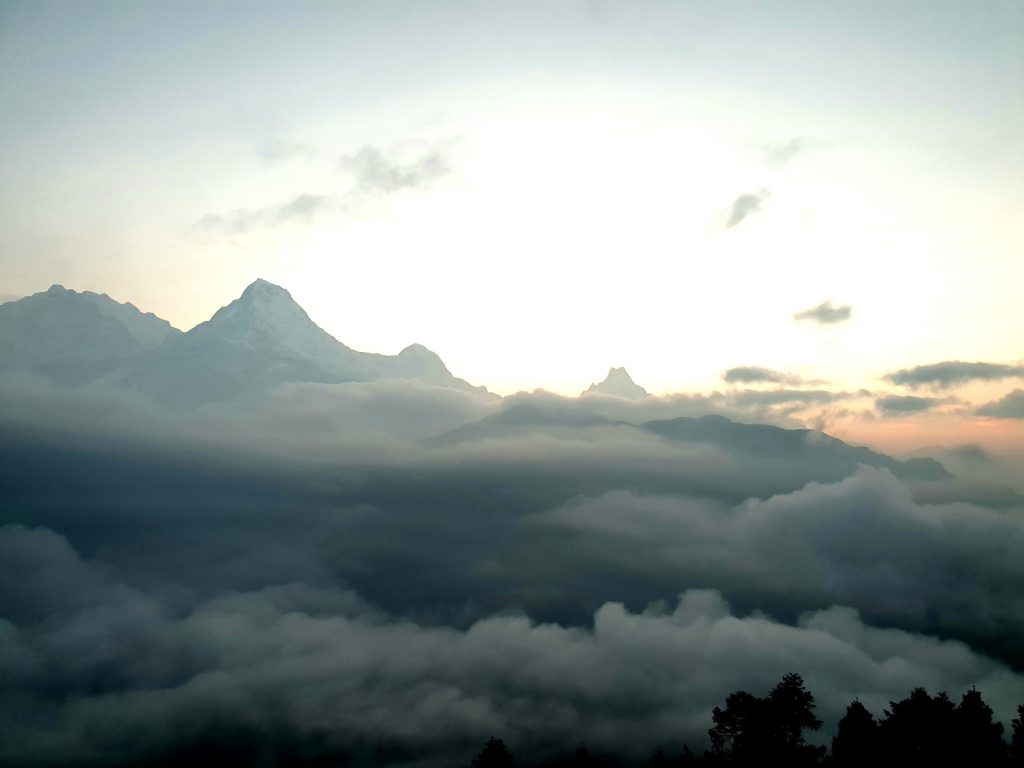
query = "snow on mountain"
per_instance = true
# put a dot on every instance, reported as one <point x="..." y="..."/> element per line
<point x="259" y="341"/>
<point x="265" y="318"/>
<point x="618" y="384"/>
<point x="67" y="333"/>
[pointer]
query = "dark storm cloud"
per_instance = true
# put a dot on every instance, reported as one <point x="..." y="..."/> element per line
<point x="1009" y="407"/>
<point x="953" y="373"/>
<point x="896" y="405"/>
<point x="752" y="374"/>
<point x="745" y="205"/>
<point x="375" y="171"/>
<point x="300" y="208"/>
<point x="825" y="314"/>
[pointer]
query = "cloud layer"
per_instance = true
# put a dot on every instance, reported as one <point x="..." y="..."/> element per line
<point x="390" y="572"/>
<point x="126" y="676"/>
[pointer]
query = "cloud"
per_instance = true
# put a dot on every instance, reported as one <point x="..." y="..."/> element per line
<point x="1009" y="407"/>
<point x="278" y="150"/>
<point x="782" y="152"/>
<point x="745" y="205"/>
<point x="766" y="397"/>
<point x="755" y="374"/>
<point x="374" y="172"/>
<point x="895" y="405"/>
<point x="319" y="672"/>
<point x="377" y="172"/>
<point x="953" y="373"/>
<point x="823" y="544"/>
<point x="300" y="208"/>
<point x="320" y="573"/>
<point x="825" y="314"/>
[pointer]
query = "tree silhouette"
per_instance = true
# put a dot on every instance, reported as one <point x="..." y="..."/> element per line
<point x="658" y="759"/>
<point x="582" y="758"/>
<point x="856" y="739"/>
<point x="494" y="755"/>
<point x="737" y="729"/>
<point x="766" y="731"/>
<point x="918" y="731"/>
<point x="1017" y="738"/>
<point x="977" y="740"/>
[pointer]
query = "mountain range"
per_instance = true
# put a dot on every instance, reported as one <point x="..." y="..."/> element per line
<point x="260" y="340"/>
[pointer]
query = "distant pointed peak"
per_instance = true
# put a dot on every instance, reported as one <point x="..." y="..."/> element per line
<point x="57" y="290"/>
<point x="618" y="383"/>
<point x="260" y="288"/>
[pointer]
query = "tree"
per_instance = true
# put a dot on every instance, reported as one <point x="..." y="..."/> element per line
<point x="977" y="740"/>
<point x="790" y="712"/>
<point x="918" y="731"/>
<point x="494" y="755"/>
<point x="736" y="729"/>
<point x="856" y="739"/>
<point x="1017" y="738"/>
<point x="766" y="731"/>
<point x="658" y="759"/>
<point x="687" y="759"/>
<point x="582" y="757"/>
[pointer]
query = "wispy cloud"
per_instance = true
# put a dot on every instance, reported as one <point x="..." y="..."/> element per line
<point x="902" y="405"/>
<point x="379" y="172"/>
<point x="780" y="153"/>
<point x="744" y="206"/>
<point x="300" y="208"/>
<point x="277" y="150"/>
<point x="754" y="374"/>
<point x="761" y="397"/>
<point x="825" y="314"/>
<point x="953" y="373"/>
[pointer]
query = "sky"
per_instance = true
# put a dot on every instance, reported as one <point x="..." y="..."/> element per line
<point x="251" y="543"/>
<point x="536" y="191"/>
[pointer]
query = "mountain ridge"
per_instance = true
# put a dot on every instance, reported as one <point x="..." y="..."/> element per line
<point x="258" y="341"/>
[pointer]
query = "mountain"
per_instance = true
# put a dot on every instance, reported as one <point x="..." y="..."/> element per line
<point x="713" y="450"/>
<point x="257" y="342"/>
<point x="618" y="384"/>
<point x="267" y="322"/>
<point x="803" y="445"/>
<point x="73" y="336"/>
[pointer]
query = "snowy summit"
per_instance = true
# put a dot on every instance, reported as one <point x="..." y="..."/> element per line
<point x="618" y="384"/>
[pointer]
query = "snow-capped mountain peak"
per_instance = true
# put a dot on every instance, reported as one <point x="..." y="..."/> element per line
<point x="266" y="318"/>
<point x="618" y="383"/>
